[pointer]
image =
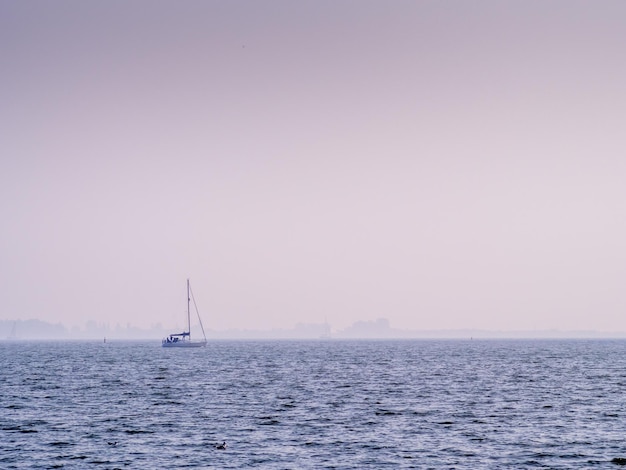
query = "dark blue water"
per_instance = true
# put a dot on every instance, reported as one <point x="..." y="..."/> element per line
<point x="314" y="404"/>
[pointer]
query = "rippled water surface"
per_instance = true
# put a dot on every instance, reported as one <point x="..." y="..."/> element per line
<point x="313" y="404"/>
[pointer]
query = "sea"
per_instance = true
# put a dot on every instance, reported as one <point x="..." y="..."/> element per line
<point x="510" y="404"/>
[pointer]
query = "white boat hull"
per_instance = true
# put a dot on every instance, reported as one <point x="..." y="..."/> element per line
<point x="184" y="344"/>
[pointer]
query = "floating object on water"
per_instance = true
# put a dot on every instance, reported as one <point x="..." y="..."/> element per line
<point x="112" y="443"/>
<point x="619" y="461"/>
<point x="221" y="446"/>
<point x="183" y="340"/>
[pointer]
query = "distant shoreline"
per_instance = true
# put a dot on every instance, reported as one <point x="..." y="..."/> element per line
<point x="27" y="330"/>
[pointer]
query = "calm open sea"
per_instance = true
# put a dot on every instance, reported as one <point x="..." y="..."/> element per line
<point x="313" y="404"/>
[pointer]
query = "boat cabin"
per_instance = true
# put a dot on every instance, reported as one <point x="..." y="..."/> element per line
<point x="176" y="337"/>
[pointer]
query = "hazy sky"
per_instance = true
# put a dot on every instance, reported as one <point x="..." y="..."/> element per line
<point x="439" y="164"/>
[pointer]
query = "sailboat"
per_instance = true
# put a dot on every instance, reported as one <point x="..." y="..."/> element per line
<point x="183" y="340"/>
<point x="12" y="336"/>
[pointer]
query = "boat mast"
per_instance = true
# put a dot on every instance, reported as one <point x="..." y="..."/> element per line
<point x="188" y="316"/>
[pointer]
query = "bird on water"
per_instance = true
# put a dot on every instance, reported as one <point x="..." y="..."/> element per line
<point x="221" y="446"/>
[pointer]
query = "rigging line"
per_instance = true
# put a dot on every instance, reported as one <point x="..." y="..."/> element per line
<point x="197" y="312"/>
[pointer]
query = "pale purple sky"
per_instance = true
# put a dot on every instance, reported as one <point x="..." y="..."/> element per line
<point x="439" y="164"/>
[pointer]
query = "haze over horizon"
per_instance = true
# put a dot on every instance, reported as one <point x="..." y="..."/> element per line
<point x="443" y="165"/>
